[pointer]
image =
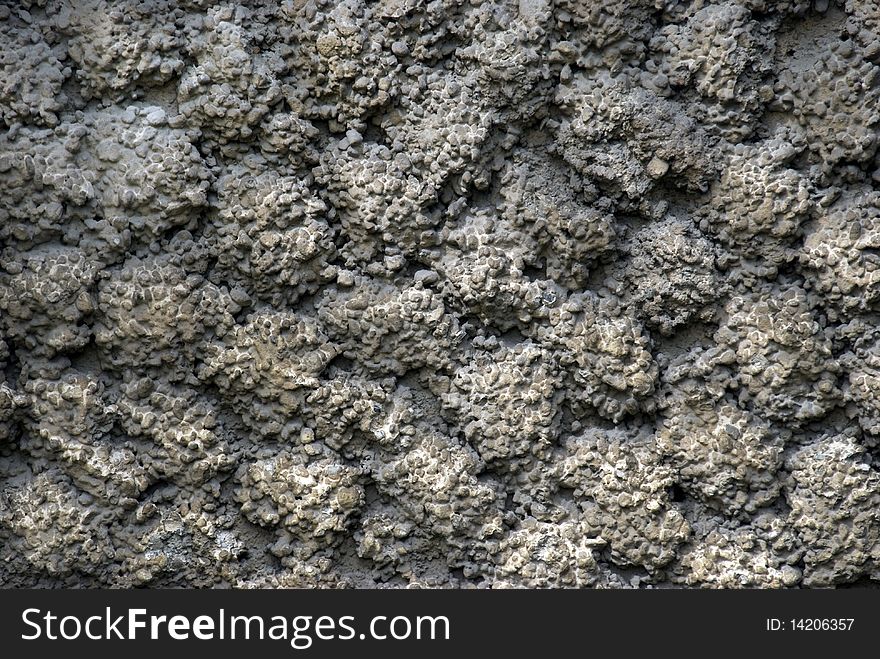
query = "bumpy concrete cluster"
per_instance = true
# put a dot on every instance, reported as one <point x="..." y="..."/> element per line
<point x="465" y="293"/>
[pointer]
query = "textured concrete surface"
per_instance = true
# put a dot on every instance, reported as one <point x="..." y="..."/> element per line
<point x="460" y="293"/>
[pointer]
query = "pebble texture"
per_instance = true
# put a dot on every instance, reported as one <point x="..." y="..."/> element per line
<point x="448" y="293"/>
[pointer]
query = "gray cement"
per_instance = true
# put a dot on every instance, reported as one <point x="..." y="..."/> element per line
<point x="462" y="293"/>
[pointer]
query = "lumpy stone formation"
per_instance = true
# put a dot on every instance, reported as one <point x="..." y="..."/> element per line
<point x="449" y="293"/>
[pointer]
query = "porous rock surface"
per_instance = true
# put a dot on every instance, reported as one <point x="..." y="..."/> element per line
<point x="448" y="293"/>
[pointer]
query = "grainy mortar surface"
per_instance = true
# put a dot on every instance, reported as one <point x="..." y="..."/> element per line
<point x="460" y="293"/>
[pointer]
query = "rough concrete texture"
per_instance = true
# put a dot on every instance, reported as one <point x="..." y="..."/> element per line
<point x="459" y="293"/>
